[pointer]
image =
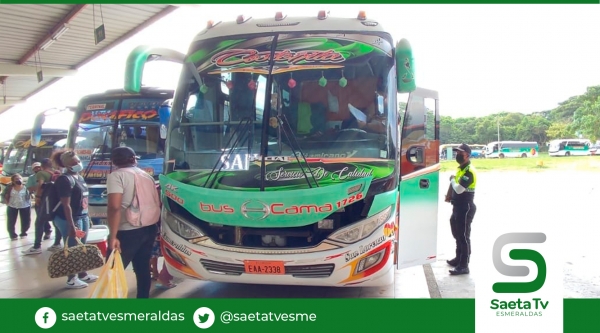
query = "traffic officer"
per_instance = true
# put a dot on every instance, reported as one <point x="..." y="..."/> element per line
<point x="461" y="194"/>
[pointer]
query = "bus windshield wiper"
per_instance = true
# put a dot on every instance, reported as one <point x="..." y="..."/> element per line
<point x="265" y="124"/>
<point x="243" y="127"/>
<point x="100" y="150"/>
<point x="291" y="138"/>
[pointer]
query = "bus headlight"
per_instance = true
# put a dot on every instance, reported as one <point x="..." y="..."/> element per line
<point x="369" y="261"/>
<point x="362" y="229"/>
<point x="181" y="228"/>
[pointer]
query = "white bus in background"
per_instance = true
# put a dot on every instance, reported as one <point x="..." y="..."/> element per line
<point x="511" y="149"/>
<point x="570" y="147"/>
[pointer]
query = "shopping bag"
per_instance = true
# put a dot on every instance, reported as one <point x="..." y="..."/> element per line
<point x="112" y="282"/>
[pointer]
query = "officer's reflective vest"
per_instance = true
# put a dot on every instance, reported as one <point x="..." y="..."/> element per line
<point x="460" y="173"/>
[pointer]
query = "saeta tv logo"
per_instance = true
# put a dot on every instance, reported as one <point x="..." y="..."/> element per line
<point x="519" y="254"/>
<point x="516" y="271"/>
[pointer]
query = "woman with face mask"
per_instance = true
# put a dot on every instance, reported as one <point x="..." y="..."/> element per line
<point x="73" y="217"/>
<point x="18" y="203"/>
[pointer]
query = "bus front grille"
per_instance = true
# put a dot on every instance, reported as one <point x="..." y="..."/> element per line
<point x="297" y="271"/>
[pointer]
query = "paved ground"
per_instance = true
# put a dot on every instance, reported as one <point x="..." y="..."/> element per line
<point x="565" y="197"/>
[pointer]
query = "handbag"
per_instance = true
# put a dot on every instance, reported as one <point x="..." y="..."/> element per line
<point x="75" y="259"/>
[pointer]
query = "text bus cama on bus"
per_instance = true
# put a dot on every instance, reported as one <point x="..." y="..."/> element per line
<point x="512" y="149"/>
<point x="270" y="178"/>
<point x="570" y="147"/>
<point x="116" y="118"/>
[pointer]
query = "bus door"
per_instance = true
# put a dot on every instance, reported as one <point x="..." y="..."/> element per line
<point x="419" y="180"/>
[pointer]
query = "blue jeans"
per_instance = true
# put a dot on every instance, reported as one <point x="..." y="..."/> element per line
<point x="63" y="226"/>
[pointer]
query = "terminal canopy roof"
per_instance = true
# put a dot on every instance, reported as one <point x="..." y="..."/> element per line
<point x="62" y="38"/>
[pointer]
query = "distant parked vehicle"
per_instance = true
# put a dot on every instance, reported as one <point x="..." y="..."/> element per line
<point x="570" y="147"/>
<point x="504" y="149"/>
<point x="477" y="151"/>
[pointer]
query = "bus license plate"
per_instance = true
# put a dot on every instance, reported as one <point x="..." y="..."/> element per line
<point x="264" y="267"/>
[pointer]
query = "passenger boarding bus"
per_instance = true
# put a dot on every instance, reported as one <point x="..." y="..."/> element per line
<point x="512" y="149"/>
<point x="116" y="118"/>
<point x="269" y="177"/>
<point x="21" y="153"/>
<point x="570" y="147"/>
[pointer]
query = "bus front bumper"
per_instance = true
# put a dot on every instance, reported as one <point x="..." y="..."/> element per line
<point x="367" y="263"/>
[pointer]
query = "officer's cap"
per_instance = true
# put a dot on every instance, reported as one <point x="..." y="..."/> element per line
<point x="464" y="147"/>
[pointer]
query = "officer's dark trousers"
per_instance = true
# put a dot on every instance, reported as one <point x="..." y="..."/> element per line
<point x="460" y="224"/>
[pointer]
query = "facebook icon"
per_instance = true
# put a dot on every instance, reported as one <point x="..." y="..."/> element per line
<point x="45" y="317"/>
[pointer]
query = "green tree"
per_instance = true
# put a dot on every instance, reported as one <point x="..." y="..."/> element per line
<point x="558" y="130"/>
<point x="586" y="120"/>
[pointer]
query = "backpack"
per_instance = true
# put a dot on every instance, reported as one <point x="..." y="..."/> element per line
<point x="50" y="198"/>
<point x="144" y="209"/>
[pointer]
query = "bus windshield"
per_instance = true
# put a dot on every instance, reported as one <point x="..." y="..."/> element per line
<point x="20" y="154"/>
<point x="102" y="125"/>
<point x="324" y="96"/>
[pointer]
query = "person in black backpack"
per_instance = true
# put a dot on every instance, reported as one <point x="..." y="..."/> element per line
<point x="44" y="174"/>
<point x="73" y="215"/>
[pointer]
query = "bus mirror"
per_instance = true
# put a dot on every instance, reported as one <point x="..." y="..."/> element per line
<point x="137" y="59"/>
<point x="405" y="70"/>
<point x="36" y="131"/>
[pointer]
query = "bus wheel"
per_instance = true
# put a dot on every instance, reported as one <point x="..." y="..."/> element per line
<point x="568" y="154"/>
<point x="523" y="155"/>
<point x="501" y="155"/>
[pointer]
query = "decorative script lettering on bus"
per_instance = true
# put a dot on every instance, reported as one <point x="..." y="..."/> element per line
<point x="248" y="56"/>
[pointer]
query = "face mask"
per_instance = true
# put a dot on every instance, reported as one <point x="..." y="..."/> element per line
<point x="77" y="167"/>
<point x="460" y="158"/>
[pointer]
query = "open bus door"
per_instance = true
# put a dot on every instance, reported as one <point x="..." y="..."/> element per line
<point x="419" y="180"/>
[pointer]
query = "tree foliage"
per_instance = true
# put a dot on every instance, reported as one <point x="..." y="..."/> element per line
<point x="577" y="115"/>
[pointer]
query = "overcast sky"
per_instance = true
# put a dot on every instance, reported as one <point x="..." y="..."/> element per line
<point x="482" y="59"/>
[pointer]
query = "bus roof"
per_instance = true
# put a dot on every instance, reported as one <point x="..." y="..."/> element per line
<point x="121" y="93"/>
<point x="559" y="140"/>
<point x="45" y="131"/>
<point x="495" y="142"/>
<point x="289" y="24"/>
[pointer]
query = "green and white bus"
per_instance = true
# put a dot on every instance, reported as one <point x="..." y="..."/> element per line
<point x="270" y="179"/>
<point x="570" y="147"/>
<point x="512" y="149"/>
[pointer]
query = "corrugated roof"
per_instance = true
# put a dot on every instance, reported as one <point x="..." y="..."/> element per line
<point x="25" y="28"/>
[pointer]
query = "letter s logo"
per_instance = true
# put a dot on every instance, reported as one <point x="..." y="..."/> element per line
<point x="519" y="254"/>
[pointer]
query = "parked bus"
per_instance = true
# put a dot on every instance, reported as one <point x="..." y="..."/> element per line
<point x="299" y="196"/>
<point x="115" y="118"/>
<point x="21" y="153"/>
<point x="512" y="149"/>
<point x="570" y="147"/>
<point x="444" y="151"/>
<point x="477" y="151"/>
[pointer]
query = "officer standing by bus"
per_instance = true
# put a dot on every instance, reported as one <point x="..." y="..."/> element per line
<point x="461" y="194"/>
